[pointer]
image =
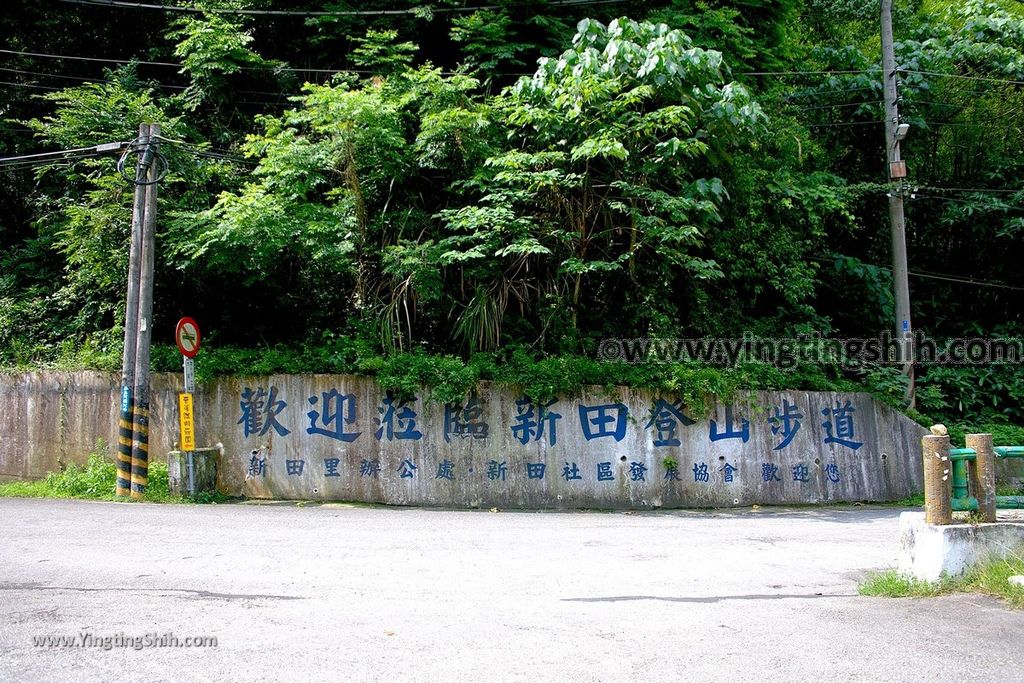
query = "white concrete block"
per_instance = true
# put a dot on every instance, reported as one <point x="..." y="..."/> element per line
<point x="929" y="552"/>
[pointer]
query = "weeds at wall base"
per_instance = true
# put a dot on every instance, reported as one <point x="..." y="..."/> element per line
<point x="96" y="481"/>
<point x="990" y="578"/>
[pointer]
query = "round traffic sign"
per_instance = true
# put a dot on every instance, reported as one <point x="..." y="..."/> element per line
<point x="186" y="336"/>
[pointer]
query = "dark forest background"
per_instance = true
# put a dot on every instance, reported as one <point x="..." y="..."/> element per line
<point x="440" y="193"/>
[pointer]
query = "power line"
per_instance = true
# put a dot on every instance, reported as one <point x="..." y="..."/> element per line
<point x="208" y="152"/>
<point x="105" y="147"/>
<point x="46" y="160"/>
<point x="50" y="162"/>
<point x="67" y="157"/>
<point x="59" y="157"/>
<point x="106" y="60"/>
<point x="962" y="77"/>
<point x="973" y="124"/>
<point x="809" y="73"/>
<point x="281" y="69"/>
<point x="42" y="165"/>
<point x="335" y="71"/>
<point x="40" y="73"/>
<point x="157" y="84"/>
<point x="960" y="279"/>
<point x="844" y="105"/>
<point x="68" y="162"/>
<point x="969" y="189"/>
<point x="29" y="85"/>
<point x="819" y="93"/>
<point x="88" y="59"/>
<point x="107" y="81"/>
<point x="51" y="88"/>
<point x="992" y="206"/>
<point x="908" y="85"/>
<point x="845" y="123"/>
<point x="323" y="13"/>
<point x="966" y="281"/>
<point x="186" y="143"/>
<point x="876" y="187"/>
<point x="149" y="82"/>
<point x="911" y="103"/>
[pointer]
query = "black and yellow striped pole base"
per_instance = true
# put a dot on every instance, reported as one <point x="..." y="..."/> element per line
<point x="124" y="444"/>
<point x="140" y="450"/>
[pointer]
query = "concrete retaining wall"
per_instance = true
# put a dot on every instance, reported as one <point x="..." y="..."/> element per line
<point x="343" y="438"/>
<point x="53" y="418"/>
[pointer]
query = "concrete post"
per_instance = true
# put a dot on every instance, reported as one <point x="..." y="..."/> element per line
<point x="937" y="473"/>
<point x="983" y="475"/>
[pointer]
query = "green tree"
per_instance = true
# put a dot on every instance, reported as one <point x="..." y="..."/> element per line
<point x="216" y="56"/>
<point x="608" y="188"/>
<point x="341" y="179"/>
<point x="382" y="54"/>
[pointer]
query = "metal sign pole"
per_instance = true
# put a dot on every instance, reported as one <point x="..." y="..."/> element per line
<point x="190" y="388"/>
<point x="186" y="336"/>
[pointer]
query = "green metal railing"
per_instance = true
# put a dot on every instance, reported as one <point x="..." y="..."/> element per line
<point x="961" y="501"/>
<point x="1009" y="452"/>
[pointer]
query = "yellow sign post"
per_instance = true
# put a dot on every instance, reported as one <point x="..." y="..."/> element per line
<point x="186" y="420"/>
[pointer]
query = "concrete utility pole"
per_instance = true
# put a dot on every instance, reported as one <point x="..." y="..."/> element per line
<point x="131" y="321"/>
<point x="140" y="438"/>
<point x="894" y="133"/>
<point x="133" y="425"/>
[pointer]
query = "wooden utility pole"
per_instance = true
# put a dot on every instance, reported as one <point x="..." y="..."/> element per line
<point x="897" y="172"/>
<point x="131" y="321"/>
<point x="140" y="437"/>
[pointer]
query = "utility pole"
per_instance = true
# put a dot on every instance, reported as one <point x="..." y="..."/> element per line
<point x="897" y="171"/>
<point x="131" y="321"/>
<point x="133" y="425"/>
<point x="140" y="437"/>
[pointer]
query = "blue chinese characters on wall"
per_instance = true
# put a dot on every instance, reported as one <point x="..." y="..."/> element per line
<point x="335" y="415"/>
<point x="533" y="419"/>
<point x="336" y="412"/>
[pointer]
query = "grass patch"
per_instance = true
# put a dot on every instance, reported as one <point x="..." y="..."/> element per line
<point x="990" y="578"/>
<point x="1009" y="490"/>
<point x="96" y="481"/>
<point x="892" y="584"/>
<point x="25" y="489"/>
<point x="914" y="501"/>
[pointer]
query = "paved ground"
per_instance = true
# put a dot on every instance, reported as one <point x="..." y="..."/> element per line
<point x="405" y="594"/>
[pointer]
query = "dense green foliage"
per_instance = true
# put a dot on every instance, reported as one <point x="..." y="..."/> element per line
<point x="446" y="195"/>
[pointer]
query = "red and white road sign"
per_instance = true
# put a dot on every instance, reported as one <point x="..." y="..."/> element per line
<point x="186" y="336"/>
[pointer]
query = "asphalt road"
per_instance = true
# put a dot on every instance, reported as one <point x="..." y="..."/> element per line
<point x="388" y="594"/>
